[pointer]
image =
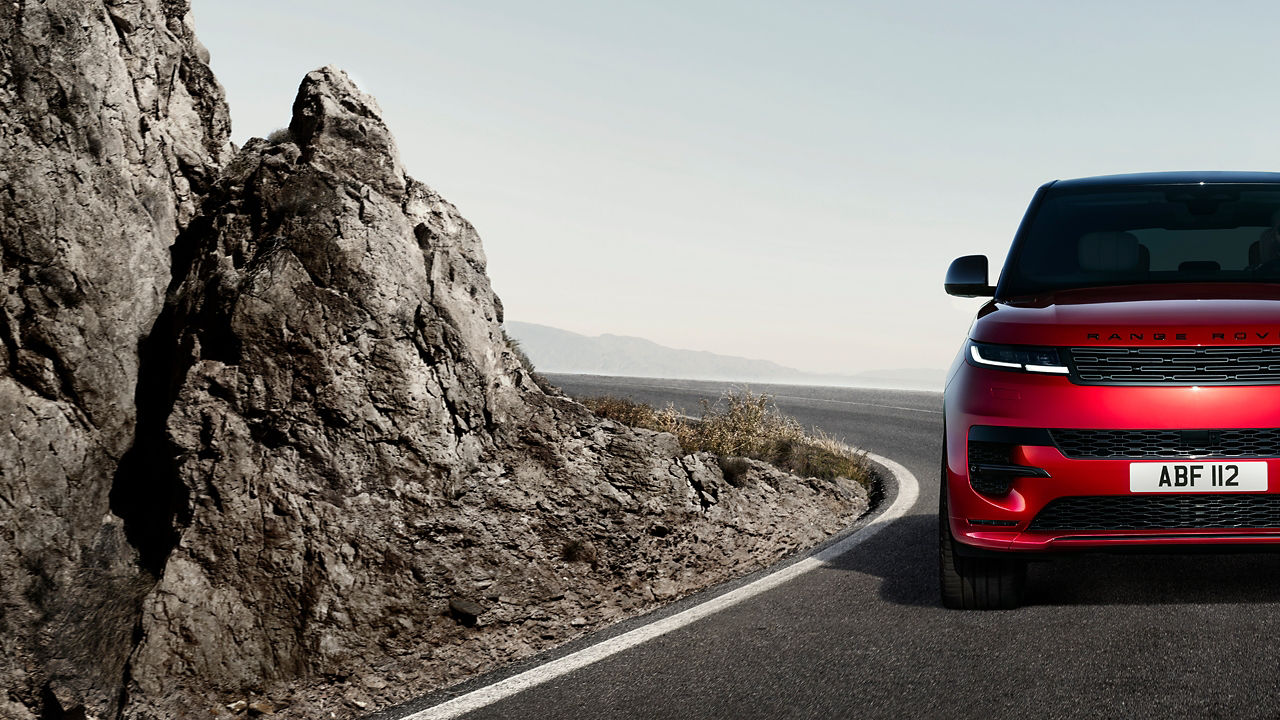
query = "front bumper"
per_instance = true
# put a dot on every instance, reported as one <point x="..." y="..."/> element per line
<point x="983" y="397"/>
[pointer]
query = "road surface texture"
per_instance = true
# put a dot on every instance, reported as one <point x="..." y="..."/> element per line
<point x="1100" y="636"/>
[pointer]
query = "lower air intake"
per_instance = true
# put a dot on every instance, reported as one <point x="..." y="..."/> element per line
<point x="1160" y="512"/>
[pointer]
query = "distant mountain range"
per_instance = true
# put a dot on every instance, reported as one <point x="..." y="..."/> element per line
<point x="559" y="351"/>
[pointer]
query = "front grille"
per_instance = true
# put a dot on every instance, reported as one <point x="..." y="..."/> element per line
<point x="1166" y="444"/>
<point x="1176" y="365"/>
<point x="1160" y="512"/>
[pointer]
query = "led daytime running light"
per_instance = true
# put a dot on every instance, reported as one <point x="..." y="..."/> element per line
<point x="1047" y="369"/>
<point x="975" y="352"/>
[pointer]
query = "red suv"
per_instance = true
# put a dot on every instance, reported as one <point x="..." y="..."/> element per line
<point x="1121" y="389"/>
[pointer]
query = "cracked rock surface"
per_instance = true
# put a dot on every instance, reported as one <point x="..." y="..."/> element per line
<point x="111" y="125"/>
<point x="289" y="465"/>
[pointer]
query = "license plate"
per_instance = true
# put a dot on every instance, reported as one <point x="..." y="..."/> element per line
<point x="1198" y="476"/>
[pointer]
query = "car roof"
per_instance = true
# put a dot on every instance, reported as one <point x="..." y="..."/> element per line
<point x="1168" y="178"/>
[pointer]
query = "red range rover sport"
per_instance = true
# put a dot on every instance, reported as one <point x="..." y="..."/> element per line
<point x="1121" y="389"/>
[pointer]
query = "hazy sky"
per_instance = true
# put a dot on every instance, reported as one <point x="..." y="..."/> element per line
<point x="783" y="180"/>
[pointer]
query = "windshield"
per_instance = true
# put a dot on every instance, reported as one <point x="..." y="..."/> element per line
<point x="1152" y="234"/>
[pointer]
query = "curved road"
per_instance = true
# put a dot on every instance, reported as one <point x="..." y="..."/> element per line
<point x="1100" y="636"/>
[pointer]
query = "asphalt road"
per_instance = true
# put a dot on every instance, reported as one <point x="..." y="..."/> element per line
<point x="1100" y="636"/>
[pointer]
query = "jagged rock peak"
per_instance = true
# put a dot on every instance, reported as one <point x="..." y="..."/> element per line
<point x="335" y="123"/>
<point x="341" y="363"/>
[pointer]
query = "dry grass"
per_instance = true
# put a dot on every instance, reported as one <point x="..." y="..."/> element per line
<point x="743" y="424"/>
<point x="280" y="135"/>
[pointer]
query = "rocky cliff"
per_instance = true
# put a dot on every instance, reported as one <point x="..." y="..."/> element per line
<point x="290" y="459"/>
<point x="111" y="125"/>
<point x="359" y="448"/>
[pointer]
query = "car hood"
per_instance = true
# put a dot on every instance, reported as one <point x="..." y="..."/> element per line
<point x="1137" y="315"/>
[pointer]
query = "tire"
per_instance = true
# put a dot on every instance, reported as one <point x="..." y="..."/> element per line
<point x="974" y="583"/>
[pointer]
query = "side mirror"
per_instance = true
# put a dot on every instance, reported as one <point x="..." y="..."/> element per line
<point x="967" y="277"/>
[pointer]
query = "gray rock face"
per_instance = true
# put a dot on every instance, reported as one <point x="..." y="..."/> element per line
<point x="375" y="485"/>
<point x="110" y="126"/>
<point x="342" y="376"/>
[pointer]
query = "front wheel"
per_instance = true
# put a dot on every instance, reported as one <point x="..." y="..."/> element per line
<point x="974" y="583"/>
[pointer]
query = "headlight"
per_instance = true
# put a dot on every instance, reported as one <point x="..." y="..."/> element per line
<point x="1022" y="358"/>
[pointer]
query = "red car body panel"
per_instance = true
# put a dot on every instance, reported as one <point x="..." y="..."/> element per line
<point x="1134" y="316"/>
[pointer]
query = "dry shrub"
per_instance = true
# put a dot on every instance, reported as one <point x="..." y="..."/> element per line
<point x="743" y="424"/>
<point x="622" y="410"/>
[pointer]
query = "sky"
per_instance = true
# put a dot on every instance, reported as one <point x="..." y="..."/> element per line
<point x="782" y="180"/>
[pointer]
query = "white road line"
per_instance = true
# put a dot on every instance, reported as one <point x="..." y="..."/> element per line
<point x="908" y="492"/>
